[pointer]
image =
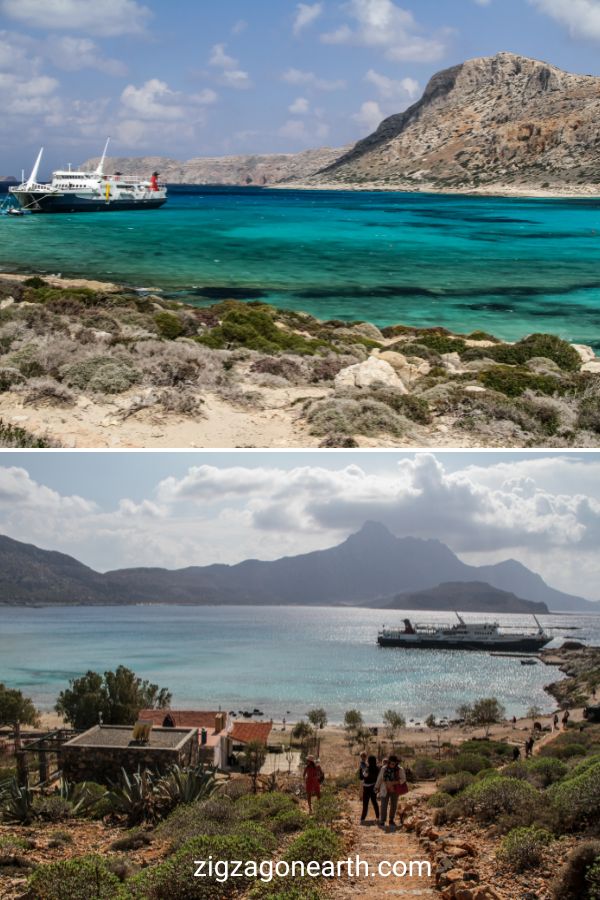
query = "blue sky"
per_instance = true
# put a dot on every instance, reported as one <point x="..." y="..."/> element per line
<point x="191" y="78"/>
<point x="177" y="509"/>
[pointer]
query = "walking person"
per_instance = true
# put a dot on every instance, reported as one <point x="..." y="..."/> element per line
<point x="529" y="747"/>
<point x="391" y="782"/>
<point x="565" y="718"/>
<point x="313" y="777"/>
<point x="369" y="796"/>
<point x="555" y="722"/>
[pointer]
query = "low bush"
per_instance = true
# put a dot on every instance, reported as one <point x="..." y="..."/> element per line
<point x="470" y="762"/>
<point x="10" y="376"/>
<point x="174" y="879"/>
<point x="265" y="807"/>
<point x="14" y="436"/>
<point x="414" y="408"/>
<point x="280" y="366"/>
<point x="328" y="808"/>
<point x="588" y="417"/>
<point x="424" y="767"/>
<point x="572" y="881"/>
<point x="317" y="843"/>
<point x="347" y="416"/>
<point x="101" y="374"/>
<point x="255" y="328"/>
<point x="523" y="848"/>
<point x="515" y="381"/>
<point x="60" y="839"/>
<point x="213" y="817"/>
<point x="492" y="798"/>
<point x="544" y="771"/>
<point x="49" y="392"/>
<point x="567" y="750"/>
<point x="82" y="878"/>
<point x="132" y="840"/>
<point x="454" y="784"/>
<point x="52" y="808"/>
<point x="439" y="799"/>
<point x="289" y="820"/>
<point x="169" y="325"/>
<point x="577" y="799"/>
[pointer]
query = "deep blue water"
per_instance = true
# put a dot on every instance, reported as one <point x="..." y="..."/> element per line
<point x="509" y="266"/>
<point x="284" y="660"/>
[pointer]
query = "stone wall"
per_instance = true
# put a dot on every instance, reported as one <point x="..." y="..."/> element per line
<point x="104" y="764"/>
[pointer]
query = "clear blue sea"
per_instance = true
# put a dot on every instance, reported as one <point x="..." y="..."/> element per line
<point x="283" y="660"/>
<point x="509" y="266"/>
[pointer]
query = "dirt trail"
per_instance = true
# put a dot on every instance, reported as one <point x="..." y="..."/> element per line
<point x="373" y="844"/>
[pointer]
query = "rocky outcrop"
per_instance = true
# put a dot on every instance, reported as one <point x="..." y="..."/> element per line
<point x="242" y="170"/>
<point x="502" y="119"/>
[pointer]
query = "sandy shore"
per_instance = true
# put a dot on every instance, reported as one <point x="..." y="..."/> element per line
<point x="491" y="190"/>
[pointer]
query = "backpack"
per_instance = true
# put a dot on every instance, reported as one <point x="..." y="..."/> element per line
<point x="321" y="776"/>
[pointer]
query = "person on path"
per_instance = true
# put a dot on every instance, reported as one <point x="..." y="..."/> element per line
<point x="391" y="782"/>
<point x="516" y="754"/>
<point x="555" y="722"/>
<point x="529" y="747"/>
<point x="565" y="718"/>
<point x="369" y="781"/>
<point x="313" y="776"/>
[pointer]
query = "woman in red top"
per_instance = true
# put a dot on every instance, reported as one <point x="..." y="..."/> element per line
<point x="313" y="775"/>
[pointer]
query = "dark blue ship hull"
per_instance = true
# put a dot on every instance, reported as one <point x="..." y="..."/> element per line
<point x="519" y="645"/>
<point x="72" y="203"/>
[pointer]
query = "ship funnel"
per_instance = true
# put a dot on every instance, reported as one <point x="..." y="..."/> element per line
<point x="100" y="169"/>
<point x="34" y="172"/>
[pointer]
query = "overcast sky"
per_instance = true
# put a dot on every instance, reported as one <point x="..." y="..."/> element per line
<point x="177" y="509"/>
<point x="191" y="78"/>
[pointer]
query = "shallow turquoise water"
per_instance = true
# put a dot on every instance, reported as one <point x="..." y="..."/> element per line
<point x="283" y="660"/>
<point x="510" y="266"/>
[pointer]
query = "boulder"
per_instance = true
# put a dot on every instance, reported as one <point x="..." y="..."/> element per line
<point x="452" y="362"/>
<point x="475" y="389"/>
<point x="593" y="366"/>
<point x="4" y="304"/>
<point x="408" y="369"/>
<point x="586" y="353"/>
<point x="369" y="373"/>
<point x="368" y="330"/>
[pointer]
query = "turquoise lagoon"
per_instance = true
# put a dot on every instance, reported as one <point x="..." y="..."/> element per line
<point x="509" y="266"/>
<point x="284" y="660"/>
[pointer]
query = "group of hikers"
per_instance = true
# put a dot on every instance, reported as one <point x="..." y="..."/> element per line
<point x="382" y="787"/>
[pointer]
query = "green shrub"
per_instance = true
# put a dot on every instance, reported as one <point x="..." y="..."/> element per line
<point x="348" y="416"/>
<point x="289" y="820"/>
<point x="455" y="783"/>
<point x="592" y="880"/>
<point x="101" y="374"/>
<point x="544" y="771"/>
<point x="317" y="843"/>
<point x="35" y="282"/>
<point x="589" y="414"/>
<point x="53" y="808"/>
<point x="515" y="381"/>
<point x="577" y="799"/>
<point x="132" y="840"/>
<point x="265" y="807"/>
<point x="14" y="436"/>
<point x="487" y="747"/>
<point x="572" y="881"/>
<point x="327" y="808"/>
<point x="438" y="799"/>
<point x="8" y="376"/>
<point x="60" y="839"/>
<point x="563" y="751"/>
<point x="491" y="798"/>
<point x="82" y="878"/>
<point x="414" y="408"/>
<point x="523" y="848"/>
<point x="169" y="325"/>
<point x="174" y="877"/>
<point x="424" y="767"/>
<point x="261" y="834"/>
<point x="470" y="762"/>
<point x="255" y="328"/>
<point x="442" y="343"/>
<point x="551" y="347"/>
<point x="217" y="816"/>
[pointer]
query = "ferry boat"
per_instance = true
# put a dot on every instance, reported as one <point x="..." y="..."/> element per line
<point x="76" y="191"/>
<point x="463" y="636"/>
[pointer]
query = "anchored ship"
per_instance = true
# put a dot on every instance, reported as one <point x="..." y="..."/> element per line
<point x="463" y="636"/>
<point x="75" y="191"/>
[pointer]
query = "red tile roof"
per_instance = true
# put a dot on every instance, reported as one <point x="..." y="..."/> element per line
<point x="244" y="732"/>
<point x="183" y="718"/>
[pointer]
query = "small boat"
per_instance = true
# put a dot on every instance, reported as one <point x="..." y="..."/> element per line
<point x="77" y="191"/>
<point x="529" y="662"/>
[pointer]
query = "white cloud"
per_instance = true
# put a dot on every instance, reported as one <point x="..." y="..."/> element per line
<point x="298" y="76"/>
<point x="384" y="25"/>
<point x="153" y="100"/>
<point x="300" y="107"/>
<point x="142" y="108"/>
<point x="73" y="54"/>
<point x="580" y="17"/>
<point x="239" y="27"/>
<point x="369" y="116"/>
<point x="543" y="511"/>
<point x="393" y="89"/>
<point x="231" y="76"/>
<point x="108" y="18"/>
<point x="482" y="2"/>
<point x="306" y="14"/>
<point x="220" y="59"/>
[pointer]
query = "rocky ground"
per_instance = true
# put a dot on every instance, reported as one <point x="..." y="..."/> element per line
<point x="89" y="365"/>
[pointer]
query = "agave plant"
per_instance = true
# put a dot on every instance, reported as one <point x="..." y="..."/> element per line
<point x="186" y="786"/>
<point x="79" y="796"/>
<point x="16" y="803"/>
<point x="135" y="797"/>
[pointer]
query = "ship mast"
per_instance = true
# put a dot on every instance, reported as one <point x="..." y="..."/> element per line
<point x="34" y="172"/>
<point x="100" y="169"/>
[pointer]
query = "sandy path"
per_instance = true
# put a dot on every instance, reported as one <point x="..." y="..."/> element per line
<point x="373" y="844"/>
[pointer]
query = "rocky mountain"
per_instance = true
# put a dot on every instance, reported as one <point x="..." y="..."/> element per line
<point x="471" y="596"/>
<point x="242" y="170"/>
<point x="504" y="120"/>
<point x="368" y="566"/>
